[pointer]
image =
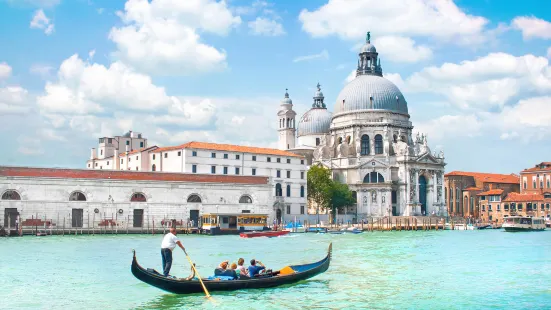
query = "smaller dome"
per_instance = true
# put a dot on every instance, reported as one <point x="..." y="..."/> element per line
<point x="315" y="121"/>
<point x="368" y="48"/>
<point x="318" y="94"/>
<point x="286" y="99"/>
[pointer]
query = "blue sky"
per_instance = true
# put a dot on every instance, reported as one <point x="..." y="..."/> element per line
<point x="476" y="74"/>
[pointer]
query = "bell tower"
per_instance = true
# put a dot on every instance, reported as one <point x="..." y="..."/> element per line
<point x="286" y="126"/>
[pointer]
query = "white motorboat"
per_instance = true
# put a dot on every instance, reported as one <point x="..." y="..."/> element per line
<point x="523" y="223"/>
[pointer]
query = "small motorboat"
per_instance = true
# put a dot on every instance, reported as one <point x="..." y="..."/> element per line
<point x="354" y="230"/>
<point x="295" y="227"/>
<point x="268" y="233"/>
<point x="320" y="230"/>
<point x="287" y="275"/>
<point x="41" y="233"/>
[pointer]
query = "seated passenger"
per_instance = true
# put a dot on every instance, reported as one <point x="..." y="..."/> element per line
<point x="223" y="271"/>
<point x="254" y="270"/>
<point x="241" y="270"/>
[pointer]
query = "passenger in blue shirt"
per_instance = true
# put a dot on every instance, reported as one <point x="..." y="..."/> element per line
<point x="254" y="269"/>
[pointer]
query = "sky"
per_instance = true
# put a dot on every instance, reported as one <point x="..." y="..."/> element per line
<point x="475" y="73"/>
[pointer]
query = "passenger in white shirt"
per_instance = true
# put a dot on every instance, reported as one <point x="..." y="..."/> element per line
<point x="169" y="243"/>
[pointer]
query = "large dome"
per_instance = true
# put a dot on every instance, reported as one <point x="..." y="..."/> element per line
<point x="358" y="93"/>
<point x="315" y="121"/>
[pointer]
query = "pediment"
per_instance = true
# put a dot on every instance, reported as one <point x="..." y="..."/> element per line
<point x="373" y="163"/>
<point x="427" y="158"/>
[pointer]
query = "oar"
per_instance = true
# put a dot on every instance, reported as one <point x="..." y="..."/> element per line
<point x="198" y="275"/>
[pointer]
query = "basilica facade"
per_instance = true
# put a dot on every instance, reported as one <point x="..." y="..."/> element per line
<point x="368" y="143"/>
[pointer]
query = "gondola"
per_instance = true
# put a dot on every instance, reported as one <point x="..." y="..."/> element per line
<point x="287" y="275"/>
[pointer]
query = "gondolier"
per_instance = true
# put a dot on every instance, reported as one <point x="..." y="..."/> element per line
<point x="169" y="243"/>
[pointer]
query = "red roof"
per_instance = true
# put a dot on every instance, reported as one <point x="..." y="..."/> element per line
<point x="226" y="147"/>
<point x="516" y="197"/>
<point x="488" y="177"/>
<point x="139" y="151"/>
<point x="544" y="166"/>
<point x="491" y="192"/>
<point x="128" y="175"/>
<point x="472" y="189"/>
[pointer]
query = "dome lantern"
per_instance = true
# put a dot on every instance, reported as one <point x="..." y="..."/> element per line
<point x="367" y="59"/>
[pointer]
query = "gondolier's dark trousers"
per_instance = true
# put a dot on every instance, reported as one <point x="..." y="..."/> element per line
<point x="166" y="254"/>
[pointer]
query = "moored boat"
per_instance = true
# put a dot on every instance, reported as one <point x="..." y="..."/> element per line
<point x="523" y="223"/>
<point x="268" y="233"/>
<point x="287" y="275"/>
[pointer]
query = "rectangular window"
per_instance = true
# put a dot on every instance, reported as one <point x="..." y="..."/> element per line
<point x="136" y="168"/>
<point x="101" y="152"/>
<point x="129" y="159"/>
<point x="278" y="160"/>
<point x="520" y="206"/>
<point x="288" y="174"/>
<point x="542" y="207"/>
<point x="108" y="163"/>
<point x="288" y="160"/>
<point x="278" y="174"/>
<point x="534" y="184"/>
<point x="179" y="153"/>
<point x="213" y="169"/>
<point x="96" y="164"/>
<point x="301" y="209"/>
<point x="194" y="168"/>
<point x="225" y="156"/>
<point x="254" y="158"/>
<point x="498" y="207"/>
<point x="237" y="156"/>
<point x="212" y="155"/>
<point x="489" y="207"/>
<point x="88" y="165"/>
<point x="137" y="157"/>
<point x="225" y="170"/>
<point x="166" y="155"/>
<point x="141" y="144"/>
<point x="194" y="153"/>
<point x="506" y="207"/>
<point x="302" y="161"/>
<point x="122" y="160"/>
<point x="302" y="175"/>
<point x="254" y="171"/>
<point x="269" y="159"/>
<point x="127" y="142"/>
<point x="153" y="156"/>
<point x="109" y="140"/>
<point x="237" y="170"/>
<point x="483" y="208"/>
<point x="288" y="209"/>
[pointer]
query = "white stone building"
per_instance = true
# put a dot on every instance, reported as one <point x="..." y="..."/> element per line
<point x="109" y="148"/>
<point x="121" y="200"/>
<point x="368" y="143"/>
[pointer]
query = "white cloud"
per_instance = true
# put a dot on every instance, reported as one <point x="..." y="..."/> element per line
<point x="255" y="7"/>
<point x="188" y="113"/>
<point x="549" y="52"/>
<point x="451" y="126"/>
<point x="91" y="54"/>
<point x="490" y="81"/>
<point x="42" y="70"/>
<point x="266" y="27"/>
<point x="5" y="70"/>
<point x="323" y="55"/>
<point x="401" y="49"/>
<point x="532" y="27"/>
<point x="29" y="145"/>
<point x="14" y="100"/>
<point x="40" y="21"/>
<point x="350" y="19"/>
<point x="162" y="36"/>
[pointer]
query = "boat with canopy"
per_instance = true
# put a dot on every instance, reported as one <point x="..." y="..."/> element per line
<point x="287" y="275"/>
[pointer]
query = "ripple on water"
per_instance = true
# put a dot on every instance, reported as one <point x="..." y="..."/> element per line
<point x="376" y="270"/>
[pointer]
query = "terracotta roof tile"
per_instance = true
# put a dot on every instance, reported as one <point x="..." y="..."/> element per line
<point x="488" y="177"/>
<point x="544" y="166"/>
<point x="128" y="175"/>
<point x="472" y="189"/>
<point x="516" y="197"/>
<point x="139" y="151"/>
<point x="497" y="191"/>
<point x="227" y="147"/>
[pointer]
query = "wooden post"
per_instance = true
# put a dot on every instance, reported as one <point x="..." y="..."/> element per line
<point x="63" y="226"/>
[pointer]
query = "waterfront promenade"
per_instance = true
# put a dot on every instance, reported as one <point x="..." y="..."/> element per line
<point x="486" y="269"/>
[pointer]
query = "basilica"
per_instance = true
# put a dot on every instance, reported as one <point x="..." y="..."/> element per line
<point x="368" y="143"/>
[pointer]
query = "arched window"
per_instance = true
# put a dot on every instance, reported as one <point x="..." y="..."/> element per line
<point x="153" y="168"/>
<point x="378" y="144"/>
<point x="348" y="139"/>
<point x="138" y="197"/>
<point x="278" y="190"/>
<point x="365" y="145"/>
<point x="77" y="196"/>
<point x="11" y="195"/>
<point x="194" y="198"/>
<point x="288" y="190"/>
<point x="457" y="195"/>
<point x="374" y="177"/>
<point x="340" y="140"/>
<point x="302" y="191"/>
<point x="245" y="199"/>
<point x="317" y="141"/>
<point x="395" y="138"/>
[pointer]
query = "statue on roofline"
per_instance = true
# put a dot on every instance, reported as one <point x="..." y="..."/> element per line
<point x="368" y="36"/>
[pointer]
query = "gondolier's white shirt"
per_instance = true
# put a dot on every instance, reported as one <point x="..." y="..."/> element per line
<point x="169" y="241"/>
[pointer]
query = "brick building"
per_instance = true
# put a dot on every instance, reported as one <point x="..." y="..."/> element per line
<point x="464" y="190"/>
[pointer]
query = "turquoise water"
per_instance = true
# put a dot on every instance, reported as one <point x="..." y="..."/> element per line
<point x="487" y="269"/>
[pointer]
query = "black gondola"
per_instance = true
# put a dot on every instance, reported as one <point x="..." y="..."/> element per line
<point x="182" y="286"/>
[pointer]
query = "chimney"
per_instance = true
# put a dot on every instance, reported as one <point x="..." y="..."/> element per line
<point x="93" y="153"/>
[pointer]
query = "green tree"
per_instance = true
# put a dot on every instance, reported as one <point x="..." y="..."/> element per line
<point x="320" y="187"/>
<point x="341" y="196"/>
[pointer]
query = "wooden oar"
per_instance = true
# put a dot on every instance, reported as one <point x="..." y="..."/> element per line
<point x="198" y="275"/>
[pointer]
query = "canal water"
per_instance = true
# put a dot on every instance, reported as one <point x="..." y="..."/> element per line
<point x="487" y="269"/>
